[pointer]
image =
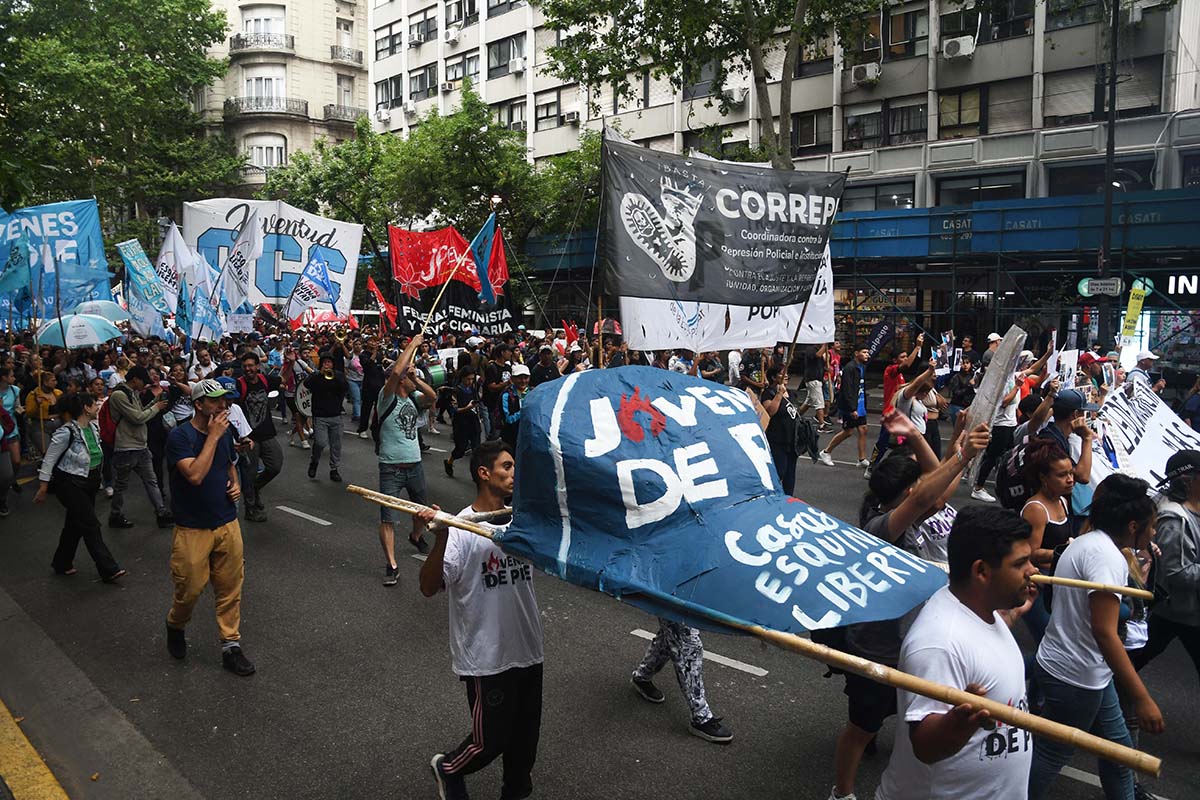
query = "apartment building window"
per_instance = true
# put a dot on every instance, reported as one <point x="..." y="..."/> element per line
<point x="1191" y="170"/>
<point x="815" y="58"/>
<point x="962" y="22"/>
<point x="871" y="41"/>
<point x="462" y="12"/>
<point x="464" y="67"/>
<point x="545" y="111"/>
<point x="266" y="149"/>
<point x="389" y="40"/>
<point x="510" y="114"/>
<point x="908" y="34"/>
<point x="698" y="81"/>
<point x="812" y="132"/>
<point x="389" y="93"/>
<point x="345" y="33"/>
<point x="978" y="188"/>
<point x="423" y="82"/>
<point x="960" y="114"/>
<point x="1009" y="18"/>
<point x="878" y="197"/>
<point x="501" y="54"/>
<point x="1069" y="13"/>
<point x="863" y="126"/>
<point x="423" y="26"/>
<point x="265" y="80"/>
<point x="265" y="19"/>
<point x="1134" y="175"/>
<point x="907" y="120"/>
<point x="498" y="7"/>
<point x="345" y="90"/>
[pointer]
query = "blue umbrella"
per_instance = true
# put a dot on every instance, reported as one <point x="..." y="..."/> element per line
<point x="81" y="330"/>
<point x="102" y="308"/>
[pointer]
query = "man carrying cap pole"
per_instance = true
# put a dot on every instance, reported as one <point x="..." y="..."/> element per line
<point x="208" y="541"/>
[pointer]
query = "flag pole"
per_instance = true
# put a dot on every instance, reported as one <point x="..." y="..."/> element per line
<point x="1126" y="756"/>
<point x="437" y="300"/>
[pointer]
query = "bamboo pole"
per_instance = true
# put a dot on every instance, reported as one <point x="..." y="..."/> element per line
<point x="437" y="300"/>
<point x="1128" y="591"/>
<point x="1117" y="753"/>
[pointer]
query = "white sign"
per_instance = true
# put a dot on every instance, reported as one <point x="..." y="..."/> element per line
<point x="700" y="327"/>
<point x="1141" y="432"/>
<point x="1068" y="365"/>
<point x="289" y="238"/>
<point x="240" y="323"/>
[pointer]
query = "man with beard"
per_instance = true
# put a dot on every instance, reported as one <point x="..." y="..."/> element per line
<point x="254" y="389"/>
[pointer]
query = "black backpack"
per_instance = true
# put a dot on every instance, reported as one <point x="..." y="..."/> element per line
<point x="377" y="419"/>
<point x="1012" y="488"/>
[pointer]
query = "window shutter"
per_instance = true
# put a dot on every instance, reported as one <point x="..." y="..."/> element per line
<point x="1010" y="106"/>
<point x="1139" y="87"/>
<point x="1070" y="93"/>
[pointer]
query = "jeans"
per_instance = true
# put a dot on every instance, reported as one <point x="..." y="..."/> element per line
<point x="271" y="455"/>
<point x="369" y="395"/>
<point x="1001" y="443"/>
<point x="78" y="497"/>
<point x="355" y="398"/>
<point x="327" y="432"/>
<point x="395" y="477"/>
<point x="1095" y="710"/>
<point x="137" y="461"/>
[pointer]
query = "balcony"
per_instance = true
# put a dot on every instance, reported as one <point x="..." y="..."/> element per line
<point x="253" y="174"/>
<point x="237" y="106"/>
<point x="348" y="114"/>
<point x="278" y="42"/>
<point x="347" y="55"/>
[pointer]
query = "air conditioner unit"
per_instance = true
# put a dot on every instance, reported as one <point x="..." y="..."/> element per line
<point x="410" y="107"/>
<point x="516" y="66"/>
<point x="865" y="73"/>
<point x="451" y="34"/>
<point x="517" y="125"/>
<point x="416" y="41"/>
<point x="383" y="115"/>
<point x="448" y="86"/>
<point x="959" y="47"/>
<point x="738" y="97"/>
<point x="571" y="118"/>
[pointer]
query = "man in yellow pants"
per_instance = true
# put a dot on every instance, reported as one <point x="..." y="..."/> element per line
<point x="208" y="542"/>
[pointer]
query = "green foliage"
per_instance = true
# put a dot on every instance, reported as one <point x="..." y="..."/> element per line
<point x="95" y="99"/>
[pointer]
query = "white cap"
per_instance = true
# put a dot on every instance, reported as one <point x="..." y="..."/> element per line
<point x="574" y="348"/>
<point x="994" y="337"/>
<point x="520" y="369"/>
<point x="1146" y="354"/>
<point x="474" y="341"/>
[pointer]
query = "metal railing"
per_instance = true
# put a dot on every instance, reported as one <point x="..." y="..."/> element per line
<point x="347" y="54"/>
<point x="266" y="105"/>
<point x="262" y="41"/>
<point x="343" y="113"/>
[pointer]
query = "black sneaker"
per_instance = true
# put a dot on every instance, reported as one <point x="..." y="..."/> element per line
<point x="176" y="642"/>
<point x="3" y="506"/>
<point x="391" y="575"/>
<point x="449" y="465"/>
<point x="515" y="794"/>
<point x="256" y="514"/>
<point x="119" y="522"/>
<point x="312" y="470"/>
<point x="450" y="787"/>
<point x="649" y="692"/>
<point x="1142" y="793"/>
<point x="233" y="660"/>
<point x="421" y="545"/>
<point x="166" y="520"/>
<point x="335" y="476"/>
<point x="712" y="731"/>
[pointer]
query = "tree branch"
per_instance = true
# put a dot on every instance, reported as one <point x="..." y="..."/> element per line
<point x="785" y="80"/>
<point x="767" y="137"/>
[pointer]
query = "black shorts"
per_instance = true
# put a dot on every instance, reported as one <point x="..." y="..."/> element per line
<point x="849" y="423"/>
<point x="870" y="702"/>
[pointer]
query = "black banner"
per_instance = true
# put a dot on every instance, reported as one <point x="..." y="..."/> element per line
<point x="681" y="228"/>
<point x="460" y="310"/>
<point x="881" y="334"/>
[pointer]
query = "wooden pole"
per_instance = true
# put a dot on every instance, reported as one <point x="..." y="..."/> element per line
<point x="787" y="365"/>
<point x="438" y="299"/>
<point x="1117" y="753"/>
<point x="1128" y="591"/>
<point x="600" y="313"/>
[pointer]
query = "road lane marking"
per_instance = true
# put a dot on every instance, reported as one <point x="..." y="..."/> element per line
<point x="1090" y="779"/>
<point x="758" y="672"/>
<point x="302" y="515"/>
<point x="24" y="770"/>
<point x="418" y="556"/>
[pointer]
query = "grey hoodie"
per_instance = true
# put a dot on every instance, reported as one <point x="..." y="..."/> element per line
<point x="1178" y="536"/>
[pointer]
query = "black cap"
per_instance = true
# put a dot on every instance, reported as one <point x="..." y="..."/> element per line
<point x="1184" y="462"/>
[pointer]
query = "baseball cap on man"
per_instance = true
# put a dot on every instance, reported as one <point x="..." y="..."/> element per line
<point x="520" y="369"/>
<point x="659" y="488"/>
<point x="208" y="387"/>
<point x="994" y="337"/>
<point x="1087" y="358"/>
<point x="1180" y="464"/>
<point x="1071" y="400"/>
<point x="230" y="386"/>
<point x="1142" y="356"/>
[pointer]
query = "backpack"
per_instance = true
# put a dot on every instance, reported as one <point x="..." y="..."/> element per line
<point x="377" y="419"/>
<point x="7" y="423"/>
<point x="108" y="425"/>
<point x="807" y="439"/>
<point x="1012" y="489"/>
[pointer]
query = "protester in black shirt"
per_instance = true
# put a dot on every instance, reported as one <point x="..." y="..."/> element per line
<point x="711" y="368"/>
<point x="497" y="377"/>
<point x="373" y="379"/>
<point x="253" y="396"/>
<point x="781" y="430"/>
<point x="466" y="418"/>
<point x="329" y="390"/>
<point x="545" y="369"/>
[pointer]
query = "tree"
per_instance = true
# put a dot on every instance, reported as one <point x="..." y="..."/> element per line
<point x="615" y="42"/>
<point x="95" y="100"/>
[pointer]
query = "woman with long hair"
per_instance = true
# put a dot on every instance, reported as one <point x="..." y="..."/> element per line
<point x="72" y="461"/>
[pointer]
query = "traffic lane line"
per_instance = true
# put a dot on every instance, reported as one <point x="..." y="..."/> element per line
<point x="23" y="768"/>
<point x="724" y="661"/>
<point x="302" y="515"/>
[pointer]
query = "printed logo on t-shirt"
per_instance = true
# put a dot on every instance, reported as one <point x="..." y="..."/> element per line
<point x="1006" y="740"/>
<point x="504" y="570"/>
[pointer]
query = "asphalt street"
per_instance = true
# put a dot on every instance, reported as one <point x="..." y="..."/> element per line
<point x="354" y="691"/>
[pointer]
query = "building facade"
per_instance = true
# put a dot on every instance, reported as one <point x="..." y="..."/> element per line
<point x="297" y="72"/>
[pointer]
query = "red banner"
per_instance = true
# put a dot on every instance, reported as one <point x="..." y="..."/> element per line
<point x="386" y="309"/>
<point x="421" y="260"/>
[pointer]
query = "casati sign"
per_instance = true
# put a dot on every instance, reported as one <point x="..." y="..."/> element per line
<point x="290" y="236"/>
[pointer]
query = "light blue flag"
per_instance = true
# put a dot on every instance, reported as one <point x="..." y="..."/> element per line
<point x="207" y="322"/>
<point x="481" y="251"/>
<point x="16" y="272"/>
<point x="140" y="275"/>
<point x="183" y="313"/>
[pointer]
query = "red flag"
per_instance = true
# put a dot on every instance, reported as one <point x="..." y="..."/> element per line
<point x="424" y="259"/>
<point x="570" y="333"/>
<point x="386" y="310"/>
<point x="498" y="264"/>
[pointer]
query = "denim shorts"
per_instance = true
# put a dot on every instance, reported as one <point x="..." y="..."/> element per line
<point x="393" y="478"/>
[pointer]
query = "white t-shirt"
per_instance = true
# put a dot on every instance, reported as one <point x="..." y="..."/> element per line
<point x="1006" y="413"/>
<point x="494" y="620"/>
<point x="735" y="367"/>
<point x="928" y="537"/>
<point x="949" y="644"/>
<point x="237" y="418"/>
<point x="199" y="372"/>
<point x="1069" y="651"/>
<point x="912" y="408"/>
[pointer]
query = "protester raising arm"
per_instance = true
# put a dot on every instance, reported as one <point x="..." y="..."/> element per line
<point x="401" y="365"/>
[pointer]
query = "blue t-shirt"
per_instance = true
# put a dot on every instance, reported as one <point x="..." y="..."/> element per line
<point x="1191" y="411"/>
<point x="206" y="506"/>
<point x="398" y="442"/>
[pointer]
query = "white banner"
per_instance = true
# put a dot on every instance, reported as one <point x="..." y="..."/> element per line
<point x="240" y="323"/>
<point x="172" y="262"/>
<point x="699" y="327"/>
<point x="1141" y="432"/>
<point x="289" y="238"/>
